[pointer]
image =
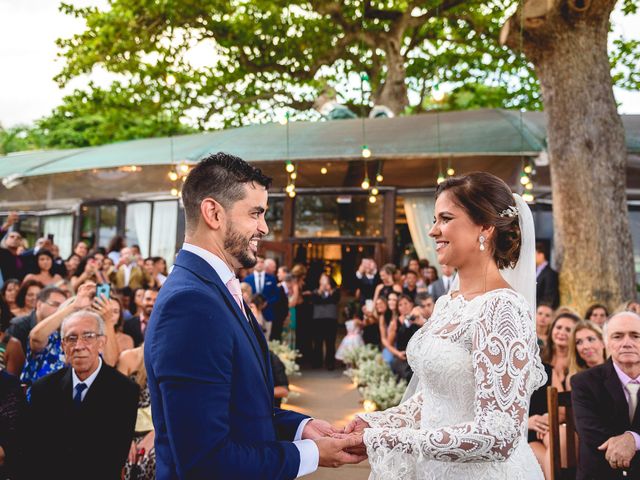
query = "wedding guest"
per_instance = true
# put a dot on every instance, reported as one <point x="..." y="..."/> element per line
<point x="629" y="306"/>
<point x="597" y="313"/>
<point x="124" y="341"/>
<point x="442" y="285"/>
<point x="137" y="301"/>
<point x="11" y="353"/>
<point x="116" y="244"/>
<point x="544" y="315"/>
<point x="29" y="257"/>
<point x="385" y="316"/>
<point x="424" y="305"/>
<point x="45" y="275"/>
<point x="128" y="272"/>
<point x="9" y="292"/>
<point x="547" y="278"/>
<point x="11" y="264"/>
<point x="280" y="380"/>
<point x="160" y="270"/>
<point x="136" y="327"/>
<point x="150" y="280"/>
<point x="90" y="271"/>
<point x="12" y="416"/>
<point x="410" y="284"/>
<point x="26" y="297"/>
<point x="325" y="322"/>
<point x="71" y="264"/>
<point x="367" y="279"/>
<point x="370" y="326"/>
<point x="353" y="338"/>
<point x="81" y="249"/>
<point x="257" y="304"/>
<point x="400" y="333"/>
<point x="431" y="275"/>
<point x="586" y="347"/>
<point x="270" y="267"/>
<point x="388" y="282"/>
<point x="556" y="351"/>
<point x="423" y="282"/>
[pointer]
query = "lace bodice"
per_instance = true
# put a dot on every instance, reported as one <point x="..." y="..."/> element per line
<point x="477" y="364"/>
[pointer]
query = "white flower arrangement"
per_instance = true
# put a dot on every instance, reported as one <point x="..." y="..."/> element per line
<point x="288" y="356"/>
<point x="355" y="356"/>
<point x="385" y="394"/>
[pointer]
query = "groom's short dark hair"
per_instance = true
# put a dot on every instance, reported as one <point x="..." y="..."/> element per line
<point x="219" y="176"/>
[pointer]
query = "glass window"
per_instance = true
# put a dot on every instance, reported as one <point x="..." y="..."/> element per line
<point x="29" y="226"/>
<point x="273" y="217"/>
<point x="108" y="224"/>
<point x="61" y="227"/>
<point x="89" y="220"/>
<point x="138" y="226"/>
<point x="330" y="215"/>
<point x="164" y="229"/>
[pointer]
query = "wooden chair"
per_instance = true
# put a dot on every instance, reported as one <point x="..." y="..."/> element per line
<point x="555" y="400"/>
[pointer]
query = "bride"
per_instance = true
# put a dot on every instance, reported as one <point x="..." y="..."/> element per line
<point x="476" y="361"/>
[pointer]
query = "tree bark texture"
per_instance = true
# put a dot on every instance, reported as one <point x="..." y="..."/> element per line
<point x="567" y="43"/>
<point x="393" y="91"/>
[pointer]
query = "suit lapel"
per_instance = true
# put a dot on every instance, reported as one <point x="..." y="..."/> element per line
<point x="615" y="391"/>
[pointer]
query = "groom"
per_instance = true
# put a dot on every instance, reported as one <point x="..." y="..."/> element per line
<point x="206" y="358"/>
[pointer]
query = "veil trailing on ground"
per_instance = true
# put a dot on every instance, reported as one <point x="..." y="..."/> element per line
<point x="522" y="277"/>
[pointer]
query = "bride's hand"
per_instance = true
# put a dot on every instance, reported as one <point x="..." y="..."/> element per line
<point x="357" y="425"/>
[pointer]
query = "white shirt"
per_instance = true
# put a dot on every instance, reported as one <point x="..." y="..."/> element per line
<point x="88" y="381"/>
<point x="309" y="453"/>
<point x="127" y="273"/>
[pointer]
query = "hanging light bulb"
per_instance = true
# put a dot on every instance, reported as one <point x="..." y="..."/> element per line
<point x="437" y="93"/>
<point x="450" y="171"/>
<point x="440" y="178"/>
<point x="375" y="191"/>
<point x="527" y="197"/>
<point x="365" y="183"/>
<point x="294" y="175"/>
<point x="292" y="193"/>
<point x="372" y="199"/>
<point x="366" y="153"/>
<point x="379" y="178"/>
<point x="173" y="176"/>
<point x="529" y="186"/>
<point x="289" y="167"/>
<point x="184" y="168"/>
<point x="284" y="121"/>
<point x="528" y="169"/>
<point x="174" y="192"/>
<point x="323" y="170"/>
<point x="290" y="188"/>
<point x="524" y="179"/>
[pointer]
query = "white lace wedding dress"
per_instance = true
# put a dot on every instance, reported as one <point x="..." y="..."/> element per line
<point x="477" y="364"/>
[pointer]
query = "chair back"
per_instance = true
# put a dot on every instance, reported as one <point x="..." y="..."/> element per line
<point x="555" y="401"/>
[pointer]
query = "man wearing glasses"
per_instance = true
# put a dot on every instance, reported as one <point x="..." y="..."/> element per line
<point x="82" y="417"/>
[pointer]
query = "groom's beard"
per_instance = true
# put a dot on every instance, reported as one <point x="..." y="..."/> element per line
<point x="238" y="247"/>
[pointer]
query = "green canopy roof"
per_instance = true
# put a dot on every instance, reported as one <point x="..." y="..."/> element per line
<point x="463" y="134"/>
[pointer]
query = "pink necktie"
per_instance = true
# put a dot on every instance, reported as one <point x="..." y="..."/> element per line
<point x="236" y="292"/>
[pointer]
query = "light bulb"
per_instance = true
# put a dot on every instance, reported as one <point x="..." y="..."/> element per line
<point x="365" y="183"/>
<point x="366" y="153"/>
<point x="375" y="191"/>
<point x="173" y="176"/>
<point x="290" y="168"/>
<point x="290" y="188"/>
<point x="524" y="179"/>
<point x="450" y="171"/>
<point x="292" y="193"/>
<point x="527" y="197"/>
<point x="174" y="192"/>
<point x="323" y="170"/>
<point x="437" y="93"/>
<point x="372" y="199"/>
<point x="184" y="168"/>
<point x="294" y="175"/>
<point x="284" y="121"/>
<point x="379" y="178"/>
<point x="529" y="186"/>
<point x="440" y="178"/>
<point x="528" y="169"/>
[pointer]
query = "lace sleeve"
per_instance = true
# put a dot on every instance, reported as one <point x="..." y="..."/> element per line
<point x="405" y="415"/>
<point x="504" y="365"/>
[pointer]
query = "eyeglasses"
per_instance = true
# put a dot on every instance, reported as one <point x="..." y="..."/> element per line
<point x="53" y="304"/>
<point x="87" y="337"/>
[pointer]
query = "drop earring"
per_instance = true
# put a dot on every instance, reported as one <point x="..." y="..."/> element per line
<point x="481" y="243"/>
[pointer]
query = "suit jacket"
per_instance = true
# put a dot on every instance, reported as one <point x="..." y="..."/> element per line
<point x="132" y="328"/>
<point x="136" y="280"/>
<point x="547" y="287"/>
<point x="90" y="441"/>
<point x="601" y="412"/>
<point x="269" y="292"/>
<point x="211" y="384"/>
<point x="9" y="264"/>
<point x="436" y="289"/>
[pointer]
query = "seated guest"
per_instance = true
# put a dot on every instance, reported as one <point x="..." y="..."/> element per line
<point x="556" y="351"/>
<point x="11" y="353"/>
<point x="9" y="292"/>
<point x="410" y="284"/>
<point x="597" y="313"/>
<point x="586" y="347"/>
<point x="424" y="305"/>
<point x="544" y="315"/>
<point x="12" y="416"/>
<point x="605" y="400"/>
<point x="26" y="297"/>
<point x="90" y="406"/>
<point x="280" y="380"/>
<point x="125" y="342"/>
<point x="45" y="275"/>
<point x="136" y="326"/>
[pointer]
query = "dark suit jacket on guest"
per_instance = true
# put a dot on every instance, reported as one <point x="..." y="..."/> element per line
<point x="211" y="384"/>
<point x="11" y="265"/>
<point x="601" y="412"/>
<point x="90" y="441"/>
<point x="132" y="328"/>
<point x="547" y="287"/>
<point x="269" y="292"/>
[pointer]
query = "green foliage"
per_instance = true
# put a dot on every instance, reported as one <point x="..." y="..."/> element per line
<point x="265" y="55"/>
<point x="20" y="138"/>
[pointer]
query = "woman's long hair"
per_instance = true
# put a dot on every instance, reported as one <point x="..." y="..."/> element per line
<point x="549" y="350"/>
<point x="576" y="362"/>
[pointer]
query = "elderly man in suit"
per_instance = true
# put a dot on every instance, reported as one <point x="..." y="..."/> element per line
<point x="605" y="403"/>
<point x="208" y="367"/>
<point x="81" y="418"/>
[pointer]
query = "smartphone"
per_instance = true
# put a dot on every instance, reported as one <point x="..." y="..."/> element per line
<point x="369" y="305"/>
<point x="50" y="237"/>
<point x="103" y="289"/>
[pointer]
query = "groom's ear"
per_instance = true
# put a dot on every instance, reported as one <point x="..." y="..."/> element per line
<point x="212" y="213"/>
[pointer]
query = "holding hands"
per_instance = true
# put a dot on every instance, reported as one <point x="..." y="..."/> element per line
<point x="336" y="448"/>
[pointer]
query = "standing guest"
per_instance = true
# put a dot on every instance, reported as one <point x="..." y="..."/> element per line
<point x="26" y="297"/>
<point x="266" y="285"/>
<point x="11" y="353"/>
<point x="304" y="314"/>
<point x="9" y="292"/>
<point x="442" y="285"/>
<point x="544" y="315"/>
<point x="424" y="280"/>
<point x="110" y="309"/>
<point x="367" y="279"/>
<point x="116" y="244"/>
<point x="386" y="316"/>
<point x="47" y="302"/>
<point x="29" y="257"/>
<point x="556" y="351"/>
<point x="160" y="270"/>
<point x="71" y="264"/>
<point x="150" y="280"/>
<point x="280" y="306"/>
<point x="547" y="278"/>
<point x="137" y="303"/>
<point x="424" y="305"/>
<point x="325" y="322"/>
<point x="605" y="400"/>
<point x="205" y="355"/>
<point x="93" y="432"/>
<point x="257" y="304"/>
<point x="12" y="416"/>
<point x="399" y="335"/>
<point x="431" y="275"/>
<point x="629" y="306"/>
<point x="586" y="347"/>
<point x="270" y="267"/>
<point x="90" y="270"/>
<point x="353" y="338"/>
<point x="141" y="462"/>
<point x="388" y="283"/>
<point x="59" y="266"/>
<point x="45" y="275"/>
<point x="370" y="326"/>
<point x="11" y="264"/>
<point x="413" y="265"/>
<point x="128" y="272"/>
<point x="597" y="313"/>
<point x="247" y="292"/>
<point x="136" y="327"/>
<point x="410" y="284"/>
<point x="81" y="249"/>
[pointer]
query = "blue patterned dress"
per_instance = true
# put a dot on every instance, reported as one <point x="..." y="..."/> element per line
<point x="42" y="363"/>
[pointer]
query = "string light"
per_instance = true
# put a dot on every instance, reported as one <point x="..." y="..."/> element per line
<point x="365" y="183"/>
<point x="323" y="170"/>
<point x="289" y="167"/>
<point x="528" y="197"/>
<point x="184" y="168"/>
<point x="450" y="171"/>
<point x="379" y="178"/>
<point x="173" y="175"/>
<point x="528" y="169"/>
<point x="524" y="179"/>
<point x="440" y="178"/>
<point x="366" y="152"/>
<point x="290" y="188"/>
<point x="437" y="93"/>
<point x="375" y="191"/>
<point x="292" y="193"/>
<point x="174" y="192"/>
<point x="294" y="175"/>
<point x="372" y="199"/>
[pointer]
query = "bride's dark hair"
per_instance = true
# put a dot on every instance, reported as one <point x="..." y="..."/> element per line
<point x="484" y="196"/>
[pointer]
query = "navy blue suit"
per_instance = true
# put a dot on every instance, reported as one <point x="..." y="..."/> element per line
<point x="211" y="385"/>
<point x="269" y="292"/>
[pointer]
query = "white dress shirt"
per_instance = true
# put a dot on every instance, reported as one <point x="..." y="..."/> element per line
<point x="88" y="381"/>
<point x="309" y="453"/>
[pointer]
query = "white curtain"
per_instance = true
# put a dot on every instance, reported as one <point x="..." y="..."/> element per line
<point x="61" y="227"/>
<point x="164" y="230"/>
<point x="419" y="210"/>
<point x="138" y="226"/>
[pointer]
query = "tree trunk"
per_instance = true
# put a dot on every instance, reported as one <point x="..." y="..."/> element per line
<point x="567" y="45"/>
<point x="393" y="91"/>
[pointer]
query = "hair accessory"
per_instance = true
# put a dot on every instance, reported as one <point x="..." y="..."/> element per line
<point x="511" y="212"/>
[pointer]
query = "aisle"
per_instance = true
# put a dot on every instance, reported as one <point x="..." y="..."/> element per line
<point x="332" y="397"/>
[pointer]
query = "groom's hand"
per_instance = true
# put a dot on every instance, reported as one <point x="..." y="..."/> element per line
<point x="317" y="429"/>
<point x="357" y="425"/>
<point x="334" y="452"/>
<point x="360" y="449"/>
